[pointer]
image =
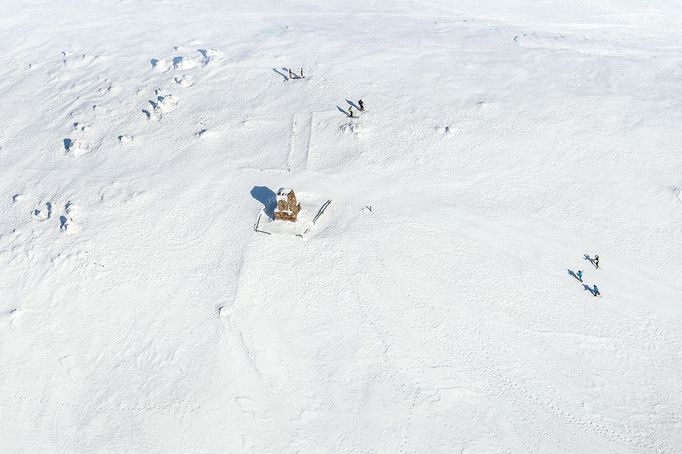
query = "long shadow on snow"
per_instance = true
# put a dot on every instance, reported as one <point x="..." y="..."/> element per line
<point x="351" y="103"/>
<point x="267" y="197"/>
<point x="283" y="75"/>
<point x="574" y="275"/>
<point x="589" y="289"/>
<point x="589" y="259"/>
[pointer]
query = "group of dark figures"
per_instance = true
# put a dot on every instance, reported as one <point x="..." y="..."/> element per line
<point x="579" y="275"/>
<point x="293" y="75"/>
<point x="361" y="107"/>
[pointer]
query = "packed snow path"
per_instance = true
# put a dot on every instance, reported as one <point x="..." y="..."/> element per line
<point x="141" y="312"/>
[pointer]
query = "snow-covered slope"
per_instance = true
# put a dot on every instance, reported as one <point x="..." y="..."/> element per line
<point x="430" y="308"/>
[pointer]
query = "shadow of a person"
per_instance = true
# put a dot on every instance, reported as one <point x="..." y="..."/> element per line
<point x="352" y="104"/>
<point x="589" y="259"/>
<point x="283" y="75"/>
<point x="292" y="74"/>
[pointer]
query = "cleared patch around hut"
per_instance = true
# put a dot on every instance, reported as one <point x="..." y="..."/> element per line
<point x="309" y="209"/>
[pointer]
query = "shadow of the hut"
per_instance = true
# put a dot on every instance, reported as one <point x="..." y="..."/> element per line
<point x="267" y="197"/>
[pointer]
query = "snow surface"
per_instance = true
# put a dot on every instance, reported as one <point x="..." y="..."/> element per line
<point x="429" y="310"/>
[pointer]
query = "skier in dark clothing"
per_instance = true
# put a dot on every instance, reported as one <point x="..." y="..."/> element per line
<point x="596" y="261"/>
<point x="362" y="105"/>
<point x="350" y="111"/>
<point x="595" y="292"/>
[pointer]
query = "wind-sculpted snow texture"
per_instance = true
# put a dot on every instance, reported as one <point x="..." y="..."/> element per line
<point x="433" y="307"/>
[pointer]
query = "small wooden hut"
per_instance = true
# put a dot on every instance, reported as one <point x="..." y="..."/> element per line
<point x="287" y="207"/>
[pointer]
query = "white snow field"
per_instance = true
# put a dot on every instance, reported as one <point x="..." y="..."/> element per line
<point x="140" y="142"/>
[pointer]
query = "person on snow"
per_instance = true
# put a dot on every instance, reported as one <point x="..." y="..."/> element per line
<point x="350" y="111"/>
<point x="302" y="76"/>
<point x="362" y="105"/>
<point x="580" y="275"/>
<point x="595" y="291"/>
<point x="596" y="261"/>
